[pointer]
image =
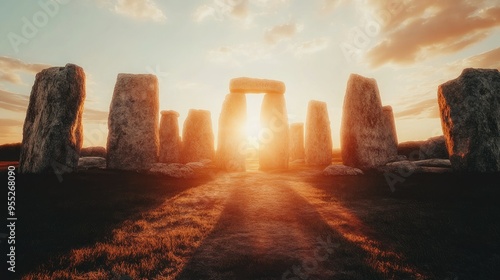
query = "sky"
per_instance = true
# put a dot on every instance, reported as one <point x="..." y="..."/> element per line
<point x="196" y="47"/>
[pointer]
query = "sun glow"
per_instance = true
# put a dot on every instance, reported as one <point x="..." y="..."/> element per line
<point x="252" y="126"/>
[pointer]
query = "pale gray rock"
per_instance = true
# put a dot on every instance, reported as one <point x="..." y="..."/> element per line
<point x="133" y="140"/>
<point x="296" y="141"/>
<point x="231" y="143"/>
<point x="470" y="116"/>
<point x="52" y="131"/>
<point x="85" y="163"/>
<point x="318" y="137"/>
<point x="170" y="139"/>
<point x="363" y="133"/>
<point x="197" y="137"/>
<point x="93" y="152"/>
<point x="340" y="170"/>
<point x="176" y="170"/>
<point x="273" y="149"/>
<point x="433" y="163"/>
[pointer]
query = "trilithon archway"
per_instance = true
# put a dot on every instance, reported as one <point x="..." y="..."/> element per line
<point x="273" y="137"/>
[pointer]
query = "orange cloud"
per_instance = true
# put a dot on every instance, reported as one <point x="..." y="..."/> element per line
<point x="281" y="32"/>
<point x="13" y="102"/>
<point x="489" y="59"/>
<point x="422" y="29"/>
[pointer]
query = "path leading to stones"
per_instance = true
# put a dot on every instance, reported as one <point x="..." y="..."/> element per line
<point x="278" y="226"/>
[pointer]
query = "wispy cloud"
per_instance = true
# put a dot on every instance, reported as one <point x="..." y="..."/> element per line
<point x="93" y="115"/>
<point x="243" y="10"/>
<point x="426" y="28"/>
<point x="238" y="54"/>
<point x="136" y="9"/>
<point x="11" y="68"/>
<point x="13" y="102"/>
<point x="281" y="32"/>
<point x="311" y="46"/>
<point x="427" y="108"/>
<point x="489" y="59"/>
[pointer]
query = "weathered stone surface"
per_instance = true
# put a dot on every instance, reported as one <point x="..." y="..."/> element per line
<point x="93" y="152"/>
<point x="470" y="117"/>
<point x="434" y="147"/>
<point x="52" y="132"/>
<point x="273" y="149"/>
<point x="433" y="162"/>
<point x="296" y="141"/>
<point x="231" y="135"/>
<point x="363" y="134"/>
<point x="318" y="138"/>
<point x="133" y="140"/>
<point x="85" y="163"/>
<point x="340" y="170"/>
<point x="390" y="127"/>
<point x="176" y="170"/>
<point x="197" y="136"/>
<point x="403" y="169"/>
<point x="253" y="85"/>
<point x="170" y="139"/>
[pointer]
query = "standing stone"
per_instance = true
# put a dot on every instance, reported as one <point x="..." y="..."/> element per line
<point x="170" y="139"/>
<point x="273" y="138"/>
<point x="391" y="143"/>
<point x="470" y="117"/>
<point x="318" y="143"/>
<point x="231" y="142"/>
<point x="434" y="147"/>
<point x="296" y="141"/>
<point x="52" y="132"/>
<point x="133" y="123"/>
<point x="197" y="136"/>
<point x="363" y="131"/>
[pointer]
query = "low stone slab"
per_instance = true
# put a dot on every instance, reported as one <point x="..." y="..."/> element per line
<point x="253" y="85"/>
<point x="435" y="162"/>
<point x="176" y="170"/>
<point x="85" y="163"/>
<point x="339" y="169"/>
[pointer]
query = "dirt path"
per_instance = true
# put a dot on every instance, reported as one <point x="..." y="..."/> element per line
<point x="278" y="227"/>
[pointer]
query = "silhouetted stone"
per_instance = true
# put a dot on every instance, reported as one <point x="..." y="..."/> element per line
<point x="197" y="136"/>
<point x="170" y="139"/>
<point x="231" y="135"/>
<point x="434" y="147"/>
<point x="436" y="162"/>
<point x="133" y="123"/>
<point x="52" y="132"/>
<point x="470" y="117"/>
<point x="296" y="141"/>
<point x="93" y="152"/>
<point x="253" y="85"/>
<point x="318" y="138"/>
<point x="273" y="149"/>
<point x="364" y="130"/>
<point x="10" y="152"/>
<point x="176" y="170"/>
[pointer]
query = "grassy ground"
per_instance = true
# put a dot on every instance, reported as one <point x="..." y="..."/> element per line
<point x="292" y="224"/>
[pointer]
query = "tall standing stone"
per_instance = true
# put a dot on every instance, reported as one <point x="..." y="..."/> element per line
<point x="170" y="139"/>
<point x="296" y="141"/>
<point x="133" y="140"/>
<point x="391" y="143"/>
<point x="318" y="143"/>
<point x="231" y="135"/>
<point x="470" y="117"/>
<point x="197" y="136"/>
<point x="52" y="132"/>
<point x="363" y="133"/>
<point x="273" y="149"/>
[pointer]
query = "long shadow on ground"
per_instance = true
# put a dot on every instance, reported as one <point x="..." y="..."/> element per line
<point x="57" y="216"/>
<point x="268" y="231"/>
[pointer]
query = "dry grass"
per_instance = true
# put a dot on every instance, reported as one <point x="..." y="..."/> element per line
<point x="255" y="225"/>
